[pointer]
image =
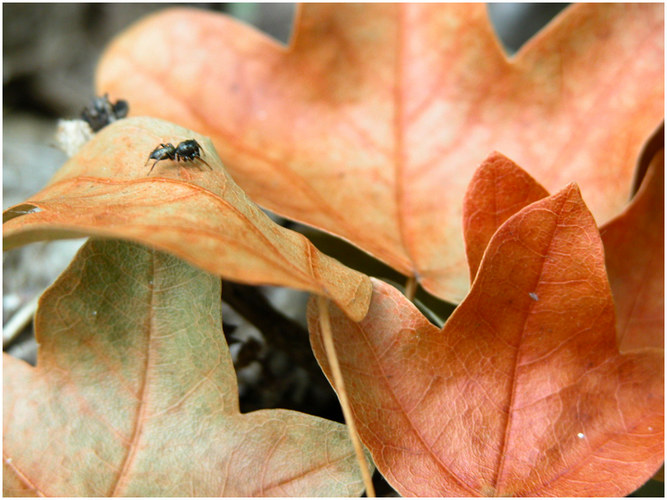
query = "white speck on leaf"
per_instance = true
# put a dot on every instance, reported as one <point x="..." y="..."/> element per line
<point x="533" y="296"/>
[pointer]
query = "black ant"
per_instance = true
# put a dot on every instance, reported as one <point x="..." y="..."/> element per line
<point x="187" y="151"/>
<point x="101" y="112"/>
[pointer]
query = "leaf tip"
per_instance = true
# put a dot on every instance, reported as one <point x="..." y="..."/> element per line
<point x="572" y="193"/>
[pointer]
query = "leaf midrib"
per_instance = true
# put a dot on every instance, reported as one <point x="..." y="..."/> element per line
<point x="123" y="475"/>
<point x="513" y="380"/>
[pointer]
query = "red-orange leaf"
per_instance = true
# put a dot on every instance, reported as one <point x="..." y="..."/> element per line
<point x="498" y="189"/>
<point x="134" y="394"/>
<point x="198" y="214"/>
<point x="371" y="123"/>
<point x="523" y="392"/>
<point x="633" y="241"/>
<point x="635" y="255"/>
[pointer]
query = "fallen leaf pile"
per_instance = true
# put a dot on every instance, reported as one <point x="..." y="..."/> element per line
<point x="546" y="380"/>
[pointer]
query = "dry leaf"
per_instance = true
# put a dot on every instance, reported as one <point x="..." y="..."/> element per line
<point x="195" y="213"/>
<point x="523" y="392"/>
<point x="635" y="254"/>
<point x="633" y="241"/>
<point x="134" y="394"/>
<point x="498" y="189"/>
<point x="371" y="123"/>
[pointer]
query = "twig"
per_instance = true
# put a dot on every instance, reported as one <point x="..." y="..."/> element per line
<point x="325" y="325"/>
<point x="411" y="288"/>
<point x="18" y="322"/>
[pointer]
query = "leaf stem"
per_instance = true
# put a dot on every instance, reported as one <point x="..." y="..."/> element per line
<point x="339" y="386"/>
<point x="411" y="288"/>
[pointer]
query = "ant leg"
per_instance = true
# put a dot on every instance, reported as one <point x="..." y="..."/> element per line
<point x="149" y="172"/>
<point x="205" y="163"/>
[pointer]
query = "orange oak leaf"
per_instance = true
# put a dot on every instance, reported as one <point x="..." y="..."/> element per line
<point x="633" y="241"/>
<point x="635" y="255"/>
<point x="370" y="123"/>
<point x="187" y="209"/>
<point x="523" y="392"/>
<point x="134" y="394"/>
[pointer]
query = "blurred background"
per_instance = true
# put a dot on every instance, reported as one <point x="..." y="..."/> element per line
<point x="49" y="56"/>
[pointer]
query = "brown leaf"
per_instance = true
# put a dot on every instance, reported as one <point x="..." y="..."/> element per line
<point x="134" y="394"/>
<point x="370" y="124"/>
<point x="635" y="256"/>
<point x="523" y="392"/>
<point x="198" y="214"/>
